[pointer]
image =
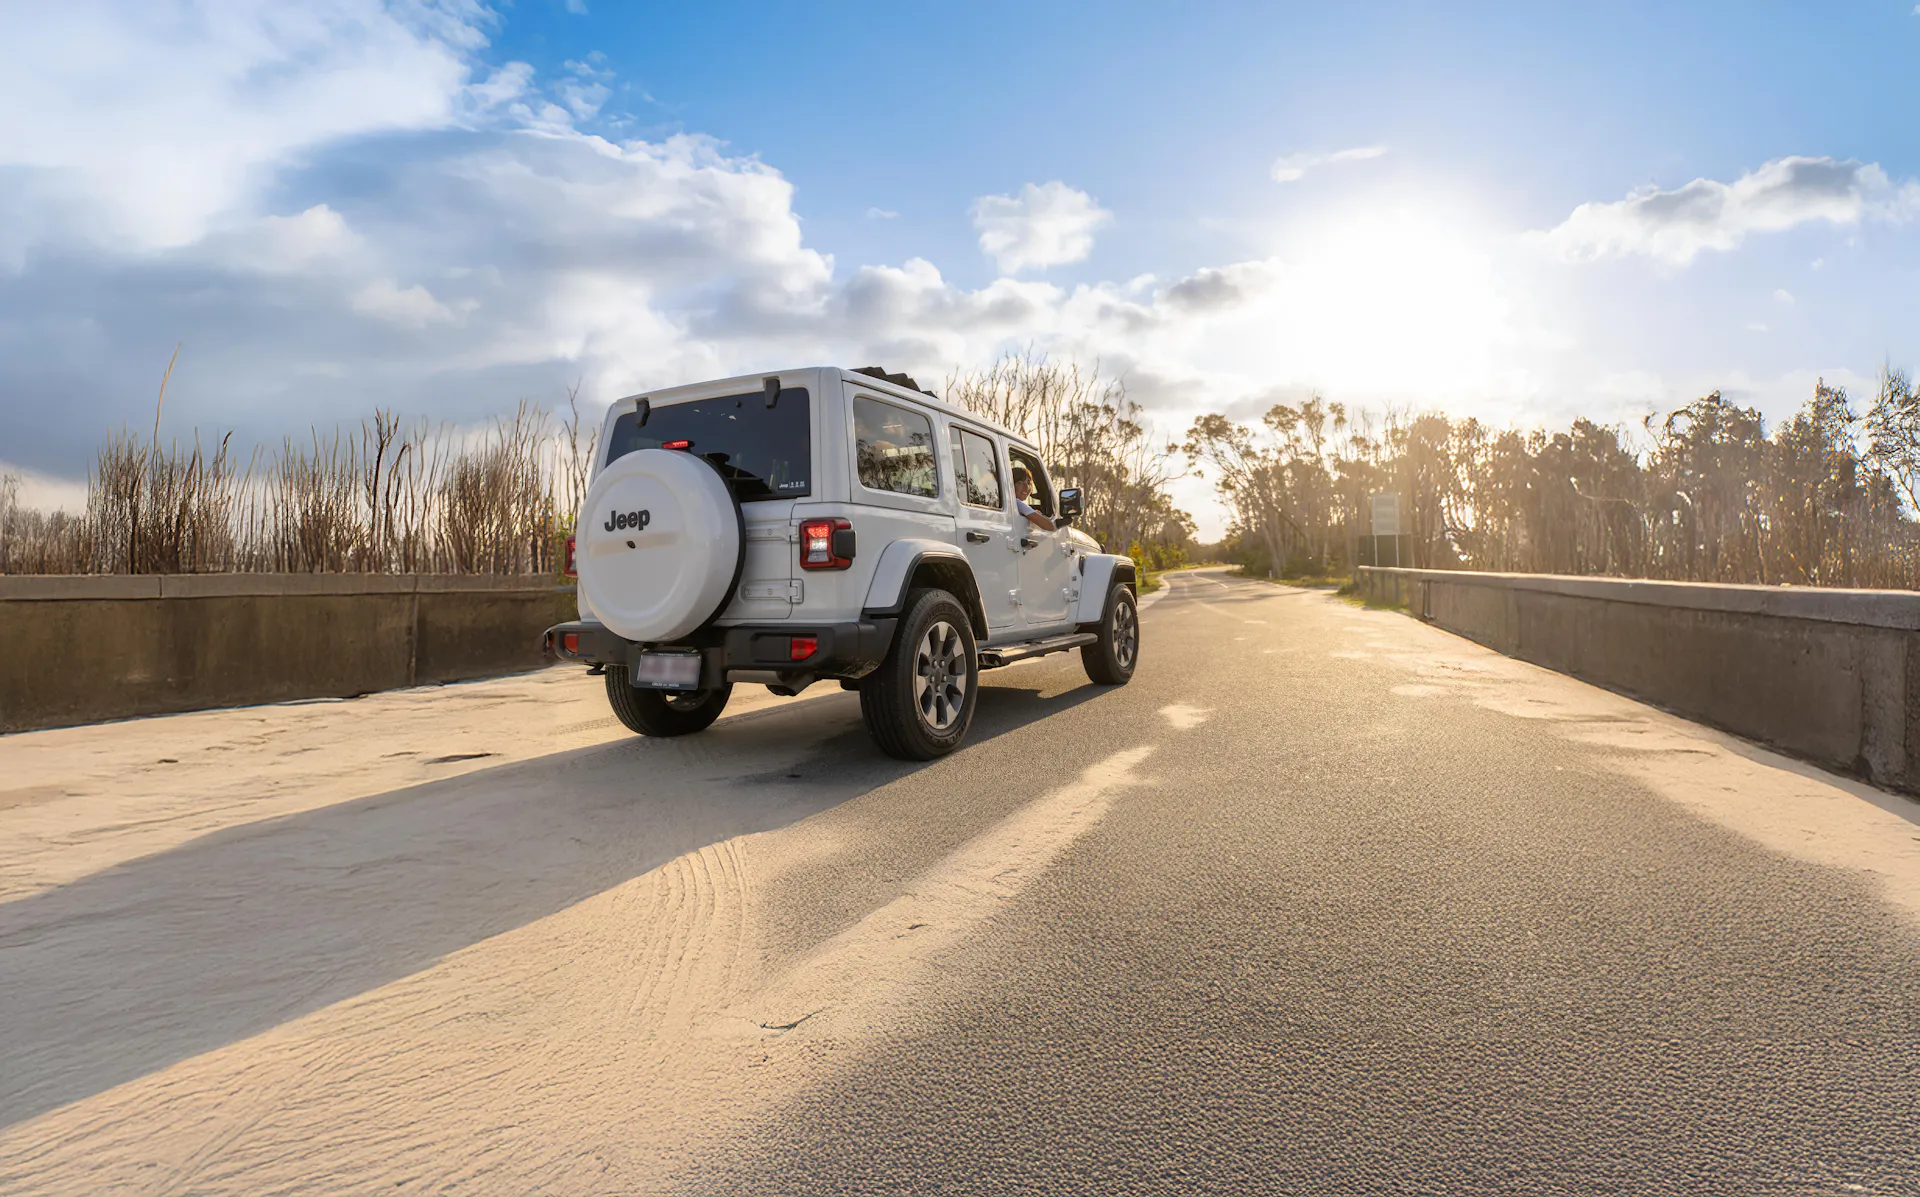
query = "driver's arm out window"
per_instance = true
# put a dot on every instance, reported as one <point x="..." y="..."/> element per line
<point x="1042" y="498"/>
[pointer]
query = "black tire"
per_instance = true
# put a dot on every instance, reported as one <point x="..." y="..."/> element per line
<point x="1110" y="659"/>
<point x="916" y="706"/>
<point x="661" y="713"/>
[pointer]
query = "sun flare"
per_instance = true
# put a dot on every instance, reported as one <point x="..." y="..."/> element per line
<point x="1376" y="308"/>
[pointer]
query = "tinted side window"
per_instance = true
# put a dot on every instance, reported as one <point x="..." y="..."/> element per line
<point x="976" y="469"/>
<point x="894" y="448"/>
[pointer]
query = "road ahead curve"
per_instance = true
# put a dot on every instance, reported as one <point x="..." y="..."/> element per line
<point x="1325" y="901"/>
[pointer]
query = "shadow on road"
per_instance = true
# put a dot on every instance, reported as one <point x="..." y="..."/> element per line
<point x="161" y="959"/>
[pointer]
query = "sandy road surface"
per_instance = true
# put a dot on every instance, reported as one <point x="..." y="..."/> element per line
<point x="1324" y="901"/>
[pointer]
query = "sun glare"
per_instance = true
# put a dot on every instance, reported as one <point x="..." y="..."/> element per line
<point x="1389" y="306"/>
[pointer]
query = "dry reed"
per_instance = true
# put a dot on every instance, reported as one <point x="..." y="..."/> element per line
<point x="386" y="497"/>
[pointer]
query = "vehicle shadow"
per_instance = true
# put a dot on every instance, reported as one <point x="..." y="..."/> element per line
<point x="157" y="960"/>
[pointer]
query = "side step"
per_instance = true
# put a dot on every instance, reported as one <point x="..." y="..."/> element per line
<point x="1007" y="654"/>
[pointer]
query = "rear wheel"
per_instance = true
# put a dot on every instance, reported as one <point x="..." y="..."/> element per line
<point x="1110" y="659"/>
<point x="661" y="712"/>
<point x="919" y="703"/>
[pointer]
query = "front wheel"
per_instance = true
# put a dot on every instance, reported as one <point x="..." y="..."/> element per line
<point x="1110" y="659"/>
<point x="661" y="712"/>
<point x="920" y="701"/>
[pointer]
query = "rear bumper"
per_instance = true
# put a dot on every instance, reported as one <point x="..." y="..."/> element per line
<point x="754" y="653"/>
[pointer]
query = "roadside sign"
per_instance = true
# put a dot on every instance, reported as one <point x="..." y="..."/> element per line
<point x="1386" y="514"/>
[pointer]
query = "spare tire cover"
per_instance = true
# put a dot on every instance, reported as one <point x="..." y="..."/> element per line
<point x="658" y="544"/>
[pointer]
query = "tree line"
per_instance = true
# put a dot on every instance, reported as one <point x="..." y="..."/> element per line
<point x="1706" y="492"/>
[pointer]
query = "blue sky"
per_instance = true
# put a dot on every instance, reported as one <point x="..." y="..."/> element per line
<point x="1521" y="214"/>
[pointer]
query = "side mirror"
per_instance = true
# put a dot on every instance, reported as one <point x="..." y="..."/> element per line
<point x="1071" y="504"/>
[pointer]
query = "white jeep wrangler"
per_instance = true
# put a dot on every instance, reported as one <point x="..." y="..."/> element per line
<point x="828" y="523"/>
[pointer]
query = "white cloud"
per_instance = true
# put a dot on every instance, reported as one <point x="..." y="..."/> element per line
<point x="143" y="122"/>
<point x="1783" y="296"/>
<point x="587" y="91"/>
<point x="1291" y="168"/>
<point x="308" y="242"/>
<point x="1676" y="226"/>
<point x="415" y="307"/>
<point x="502" y="87"/>
<point x="881" y="214"/>
<point x="42" y="492"/>
<point x="1047" y="225"/>
<point x="582" y="99"/>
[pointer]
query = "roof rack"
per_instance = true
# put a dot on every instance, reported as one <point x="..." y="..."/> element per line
<point x="899" y="380"/>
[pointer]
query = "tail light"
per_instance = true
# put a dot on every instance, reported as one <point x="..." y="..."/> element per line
<point x="799" y="648"/>
<point x="570" y="641"/>
<point x="573" y="571"/>
<point x="826" y="544"/>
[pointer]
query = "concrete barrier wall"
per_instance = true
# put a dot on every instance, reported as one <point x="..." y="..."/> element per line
<point x="1830" y="675"/>
<point x="82" y="649"/>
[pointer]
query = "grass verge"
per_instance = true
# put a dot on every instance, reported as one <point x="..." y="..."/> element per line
<point x="1360" y="600"/>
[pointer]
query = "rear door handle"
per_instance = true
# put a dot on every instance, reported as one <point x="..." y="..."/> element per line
<point x="1027" y="542"/>
<point x="978" y="537"/>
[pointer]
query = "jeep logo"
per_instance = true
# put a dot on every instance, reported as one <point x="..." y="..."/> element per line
<point x="629" y="519"/>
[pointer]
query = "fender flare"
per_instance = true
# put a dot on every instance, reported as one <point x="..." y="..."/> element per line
<point x="893" y="577"/>
<point x="1102" y="571"/>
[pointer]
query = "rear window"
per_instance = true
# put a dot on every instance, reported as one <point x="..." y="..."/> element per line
<point x="763" y="454"/>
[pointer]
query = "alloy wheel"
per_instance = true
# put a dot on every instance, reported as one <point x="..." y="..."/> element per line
<point x="940" y="676"/>
<point x="1126" y="634"/>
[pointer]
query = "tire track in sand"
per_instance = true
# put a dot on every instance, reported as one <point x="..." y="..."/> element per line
<point x="607" y="1046"/>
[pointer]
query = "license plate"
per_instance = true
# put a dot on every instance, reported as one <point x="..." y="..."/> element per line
<point x="667" y="671"/>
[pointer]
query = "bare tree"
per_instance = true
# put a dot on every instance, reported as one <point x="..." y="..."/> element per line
<point x="1093" y="437"/>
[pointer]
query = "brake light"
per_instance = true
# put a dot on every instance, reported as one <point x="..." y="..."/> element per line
<point x="801" y="647"/>
<point x="570" y="641"/>
<point x="676" y="444"/>
<point x="826" y="544"/>
<point x="572" y="570"/>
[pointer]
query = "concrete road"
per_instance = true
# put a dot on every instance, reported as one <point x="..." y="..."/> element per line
<point x="1325" y="901"/>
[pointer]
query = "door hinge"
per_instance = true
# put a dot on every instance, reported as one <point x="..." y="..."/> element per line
<point x="789" y="591"/>
<point x="1013" y="596"/>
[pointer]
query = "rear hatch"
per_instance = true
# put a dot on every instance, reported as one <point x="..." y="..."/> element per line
<point x="766" y="455"/>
